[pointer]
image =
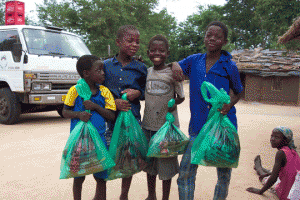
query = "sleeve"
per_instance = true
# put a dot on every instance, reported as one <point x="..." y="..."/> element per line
<point x="109" y="99"/>
<point x="185" y="65"/>
<point x="235" y="80"/>
<point x="142" y="82"/>
<point x="179" y="89"/>
<point x="71" y="97"/>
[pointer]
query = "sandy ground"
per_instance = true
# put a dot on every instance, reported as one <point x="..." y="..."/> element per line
<point x="30" y="154"/>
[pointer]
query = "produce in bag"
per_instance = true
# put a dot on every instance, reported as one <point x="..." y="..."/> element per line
<point x="85" y="153"/>
<point x="218" y="142"/>
<point x="169" y="140"/>
<point x="128" y="146"/>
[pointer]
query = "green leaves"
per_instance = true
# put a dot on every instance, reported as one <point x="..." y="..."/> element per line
<point x="99" y="20"/>
<point x="251" y="23"/>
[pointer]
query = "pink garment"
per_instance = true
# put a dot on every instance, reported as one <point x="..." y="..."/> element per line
<point x="288" y="173"/>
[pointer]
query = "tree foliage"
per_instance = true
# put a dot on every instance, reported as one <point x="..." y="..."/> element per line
<point x="259" y="22"/>
<point x="2" y="12"/>
<point x="191" y="33"/>
<point x="251" y="23"/>
<point x="99" y="20"/>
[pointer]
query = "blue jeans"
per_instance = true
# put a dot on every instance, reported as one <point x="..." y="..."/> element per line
<point x="187" y="178"/>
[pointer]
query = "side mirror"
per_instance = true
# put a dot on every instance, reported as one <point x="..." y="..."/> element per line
<point x="25" y="59"/>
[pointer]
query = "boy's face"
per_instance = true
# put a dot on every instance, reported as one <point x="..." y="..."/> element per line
<point x="158" y="52"/>
<point x="214" y="39"/>
<point x="129" y="44"/>
<point x="96" y="74"/>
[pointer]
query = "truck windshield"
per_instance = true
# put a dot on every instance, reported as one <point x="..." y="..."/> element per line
<point x="44" y="42"/>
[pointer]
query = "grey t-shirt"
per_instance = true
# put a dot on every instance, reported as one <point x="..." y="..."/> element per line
<point x="160" y="88"/>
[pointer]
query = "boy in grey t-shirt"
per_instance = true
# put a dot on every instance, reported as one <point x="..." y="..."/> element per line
<point x="160" y="88"/>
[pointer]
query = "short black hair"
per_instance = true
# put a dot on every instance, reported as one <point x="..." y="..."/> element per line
<point x="221" y="25"/>
<point x="85" y="62"/>
<point x="159" y="38"/>
<point x="124" y="29"/>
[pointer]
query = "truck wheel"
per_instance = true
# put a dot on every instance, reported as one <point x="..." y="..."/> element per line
<point x="10" y="107"/>
<point x="59" y="110"/>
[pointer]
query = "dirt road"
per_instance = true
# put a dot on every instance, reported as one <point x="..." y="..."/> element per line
<point x="30" y="154"/>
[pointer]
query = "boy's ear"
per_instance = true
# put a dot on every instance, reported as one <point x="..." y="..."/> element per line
<point x="225" y="42"/>
<point x="85" y="73"/>
<point x="118" y="42"/>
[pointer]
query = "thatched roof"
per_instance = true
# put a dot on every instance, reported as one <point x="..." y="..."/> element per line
<point x="292" y="34"/>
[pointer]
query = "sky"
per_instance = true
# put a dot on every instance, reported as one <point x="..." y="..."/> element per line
<point x="180" y="9"/>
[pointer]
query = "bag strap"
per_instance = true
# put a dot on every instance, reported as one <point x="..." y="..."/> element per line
<point x="83" y="89"/>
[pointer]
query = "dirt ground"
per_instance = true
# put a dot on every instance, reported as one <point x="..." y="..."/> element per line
<point x="30" y="154"/>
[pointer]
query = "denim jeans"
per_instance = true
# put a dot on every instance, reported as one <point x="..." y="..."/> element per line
<point x="187" y="178"/>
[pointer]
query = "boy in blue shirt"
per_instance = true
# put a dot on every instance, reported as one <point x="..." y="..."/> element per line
<point x="124" y="74"/>
<point x="102" y="107"/>
<point x="215" y="67"/>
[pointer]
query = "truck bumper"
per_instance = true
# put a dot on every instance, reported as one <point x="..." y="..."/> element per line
<point x="47" y="98"/>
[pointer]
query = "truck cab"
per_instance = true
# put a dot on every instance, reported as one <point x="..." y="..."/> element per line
<point x="37" y="68"/>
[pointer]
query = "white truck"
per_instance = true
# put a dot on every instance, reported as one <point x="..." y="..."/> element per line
<point x="37" y="68"/>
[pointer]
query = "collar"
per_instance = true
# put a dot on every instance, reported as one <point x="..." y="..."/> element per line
<point x="115" y="60"/>
<point x="225" y="56"/>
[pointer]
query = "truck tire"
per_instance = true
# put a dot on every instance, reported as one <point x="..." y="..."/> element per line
<point x="59" y="110"/>
<point x="10" y="107"/>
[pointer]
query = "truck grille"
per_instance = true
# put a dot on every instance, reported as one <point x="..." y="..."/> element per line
<point x="60" y="82"/>
<point x="61" y="86"/>
<point x="44" y="76"/>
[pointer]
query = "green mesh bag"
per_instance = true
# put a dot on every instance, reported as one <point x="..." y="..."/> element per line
<point x="85" y="152"/>
<point x="169" y="140"/>
<point x="218" y="142"/>
<point x="128" y="146"/>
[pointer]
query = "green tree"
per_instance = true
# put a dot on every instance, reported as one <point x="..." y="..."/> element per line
<point x="191" y="33"/>
<point x="2" y="12"/>
<point x="98" y="21"/>
<point x="259" y="22"/>
<point x="276" y="20"/>
<point x="246" y="29"/>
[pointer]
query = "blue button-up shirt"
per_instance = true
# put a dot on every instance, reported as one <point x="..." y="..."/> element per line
<point x="119" y="78"/>
<point x="224" y="74"/>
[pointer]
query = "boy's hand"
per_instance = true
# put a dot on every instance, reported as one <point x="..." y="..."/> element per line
<point x="132" y="94"/>
<point x="89" y="105"/>
<point x="253" y="190"/>
<point x="84" y="116"/>
<point x="122" y="105"/>
<point x="177" y="72"/>
<point x="226" y="108"/>
<point x="173" y="108"/>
